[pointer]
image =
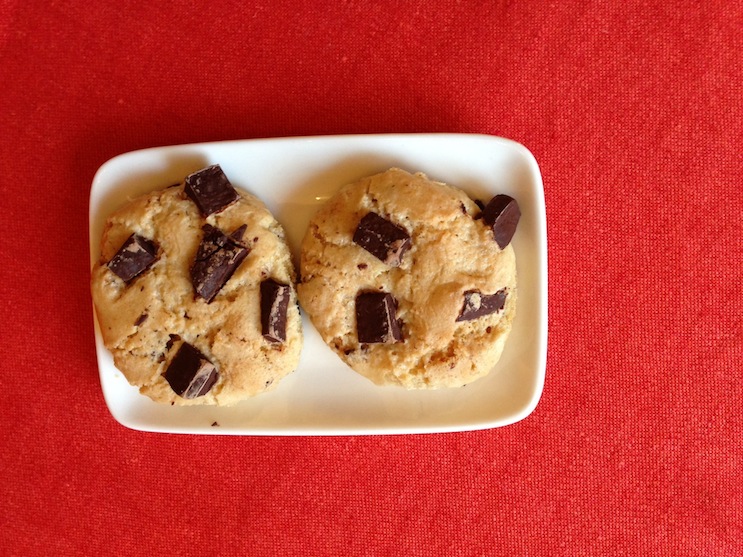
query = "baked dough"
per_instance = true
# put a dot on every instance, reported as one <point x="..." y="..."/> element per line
<point x="451" y="255"/>
<point x="145" y="321"/>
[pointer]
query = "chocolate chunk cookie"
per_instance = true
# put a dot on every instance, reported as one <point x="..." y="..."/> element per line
<point x="409" y="282"/>
<point x="187" y="281"/>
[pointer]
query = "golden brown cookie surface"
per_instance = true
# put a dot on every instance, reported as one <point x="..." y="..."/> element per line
<point x="419" y="294"/>
<point x="203" y="291"/>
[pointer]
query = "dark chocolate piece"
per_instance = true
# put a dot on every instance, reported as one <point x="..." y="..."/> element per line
<point x="477" y="304"/>
<point x="502" y="214"/>
<point x="216" y="260"/>
<point x="141" y="319"/>
<point x="172" y="340"/>
<point x="274" y="303"/>
<point x="383" y="239"/>
<point x="190" y="374"/>
<point x="376" y="320"/>
<point x="238" y="234"/>
<point x="210" y="190"/>
<point x="134" y="257"/>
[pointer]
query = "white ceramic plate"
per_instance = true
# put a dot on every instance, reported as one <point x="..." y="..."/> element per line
<point x="293" y="176"/>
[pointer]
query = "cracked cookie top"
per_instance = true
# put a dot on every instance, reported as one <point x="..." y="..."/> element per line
<point x="404" y="279"/>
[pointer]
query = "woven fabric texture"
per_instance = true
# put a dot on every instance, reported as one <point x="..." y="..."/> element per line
<point x="633" y="111"/>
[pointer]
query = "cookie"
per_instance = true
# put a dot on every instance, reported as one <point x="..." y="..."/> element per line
<point x="409" y="282"/>
<point x="195" y="293"/>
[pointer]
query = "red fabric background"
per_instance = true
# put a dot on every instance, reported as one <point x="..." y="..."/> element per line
<point x="634" y="112"/>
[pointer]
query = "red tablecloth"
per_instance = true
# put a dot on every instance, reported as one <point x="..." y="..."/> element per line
<point x="634" y="112"/>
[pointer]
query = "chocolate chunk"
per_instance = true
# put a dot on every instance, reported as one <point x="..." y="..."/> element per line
<point x="502" y="214"/>
<point x="210" y="190"/>
<point x="383" y="239"/>
<point x="134" y="257"/>
<point x="216" y="260"/>
<point x="238" y="234"/>
<point x="190" y="374"/>
<point x="376" y="320"/>
<point x="477" y="304"/>
<point x="141" y="319"/>
<point x="274" y="303"/>
<point x="172" y="340"/>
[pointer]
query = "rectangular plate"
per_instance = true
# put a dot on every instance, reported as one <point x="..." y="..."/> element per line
<point x="294" y="176"/>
